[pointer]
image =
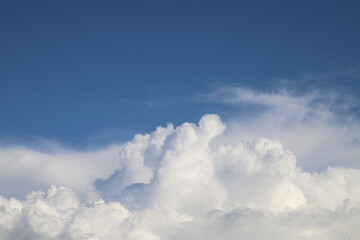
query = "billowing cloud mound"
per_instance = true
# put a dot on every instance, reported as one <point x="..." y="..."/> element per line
<point x="179" y="183"/>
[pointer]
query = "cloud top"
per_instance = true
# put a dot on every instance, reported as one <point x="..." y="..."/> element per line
<point x="184" y="183"/>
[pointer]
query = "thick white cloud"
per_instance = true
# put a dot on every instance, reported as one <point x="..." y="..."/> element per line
<point x="194" y="181"/>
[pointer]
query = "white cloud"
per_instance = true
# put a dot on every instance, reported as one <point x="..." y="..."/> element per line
<point x="194" y="181"/>
<point x="23" y="169"/>
<point x="319" y="128"/>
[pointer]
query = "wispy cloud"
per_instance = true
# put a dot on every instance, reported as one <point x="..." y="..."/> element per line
<point x="317" y="124"/>
<point x="25" y="169"/>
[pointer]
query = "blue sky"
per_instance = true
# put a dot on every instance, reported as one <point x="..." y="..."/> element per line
<point x="263" y="97"/>
<point x="82" y="71"/>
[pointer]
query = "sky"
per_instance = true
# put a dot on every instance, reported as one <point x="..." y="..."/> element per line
<point x="179" y="120"/>
<point x="74" y="70"/>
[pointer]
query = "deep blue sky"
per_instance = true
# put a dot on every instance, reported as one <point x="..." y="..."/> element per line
<point x="79" y="71"/>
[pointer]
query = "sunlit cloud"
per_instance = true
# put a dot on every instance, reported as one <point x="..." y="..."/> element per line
<point x="321" y="128"/>
<point x="210" y="180"/>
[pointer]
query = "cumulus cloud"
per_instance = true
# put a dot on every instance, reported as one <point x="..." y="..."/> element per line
<point x="193" y="181"/>
<point x="320" y="128"/>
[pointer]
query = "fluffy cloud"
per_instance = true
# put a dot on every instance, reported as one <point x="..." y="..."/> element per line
<point x="194" y="181"/>
<point x="321" y="129"/>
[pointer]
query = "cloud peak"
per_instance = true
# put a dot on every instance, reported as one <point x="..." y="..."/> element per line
<point x="193" y="181"/>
